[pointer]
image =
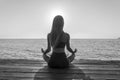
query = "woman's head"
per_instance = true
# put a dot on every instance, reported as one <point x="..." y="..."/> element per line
<point x="58" y="23"/>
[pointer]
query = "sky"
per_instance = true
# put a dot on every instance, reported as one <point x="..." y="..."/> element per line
<point x="83" y="18"/>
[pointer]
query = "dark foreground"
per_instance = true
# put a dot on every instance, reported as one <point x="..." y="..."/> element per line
<point x="79" y="70"/>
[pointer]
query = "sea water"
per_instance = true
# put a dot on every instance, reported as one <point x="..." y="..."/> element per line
<point x="99" y="49"/>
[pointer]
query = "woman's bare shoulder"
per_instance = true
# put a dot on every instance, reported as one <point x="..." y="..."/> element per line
<point x="67" y="35"/>
<point x="48" y="35"/>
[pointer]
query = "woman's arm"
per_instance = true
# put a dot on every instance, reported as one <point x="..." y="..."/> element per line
<point x="48" y="46"/>
<point x="68" y="45"/>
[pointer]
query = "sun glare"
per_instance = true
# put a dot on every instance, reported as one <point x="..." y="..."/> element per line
<point x="56" y="12"/>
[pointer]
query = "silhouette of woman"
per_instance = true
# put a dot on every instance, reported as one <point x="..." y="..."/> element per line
<point x="57" y="39"/>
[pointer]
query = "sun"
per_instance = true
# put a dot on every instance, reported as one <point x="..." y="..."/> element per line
<point x="56" y="12"/>
<point x="52" y="12"/>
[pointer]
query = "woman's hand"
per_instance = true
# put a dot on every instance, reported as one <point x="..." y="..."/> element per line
<point x="74" y="51"/>
<point x="42" y="51"/>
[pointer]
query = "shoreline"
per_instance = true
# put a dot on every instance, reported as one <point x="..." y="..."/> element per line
<point x="76" y="60"/>
<point x="41" y="59"/>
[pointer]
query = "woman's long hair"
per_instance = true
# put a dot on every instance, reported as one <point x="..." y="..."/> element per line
<point x="57" y="28"/>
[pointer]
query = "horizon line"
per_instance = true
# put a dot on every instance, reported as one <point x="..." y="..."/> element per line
<point x="71" y="38"/>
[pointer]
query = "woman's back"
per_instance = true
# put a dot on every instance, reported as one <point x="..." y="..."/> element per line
<point x="58" y="58"/>
<point x="60" y="43"/>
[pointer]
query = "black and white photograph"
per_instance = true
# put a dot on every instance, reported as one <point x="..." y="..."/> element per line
<point x="59" y="39"/>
